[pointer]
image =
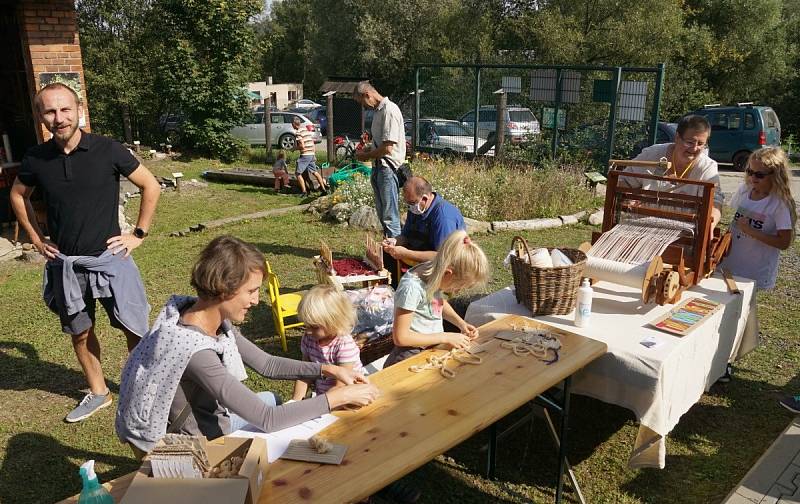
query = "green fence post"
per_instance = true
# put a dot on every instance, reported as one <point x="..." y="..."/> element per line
<point x="555" y="113"/>
<point x="656" y="103"/>
<point x="415" y="118"/>
<point x="612" y="116"/>
<point x="477" y="103"/>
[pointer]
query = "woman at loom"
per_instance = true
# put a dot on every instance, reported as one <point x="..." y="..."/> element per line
<point x="689" y="157"/>
<point x="185" y="375"/>
<point x="420" y="305"/>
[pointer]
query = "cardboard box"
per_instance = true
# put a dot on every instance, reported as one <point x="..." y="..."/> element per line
<point x="243" y="488"/>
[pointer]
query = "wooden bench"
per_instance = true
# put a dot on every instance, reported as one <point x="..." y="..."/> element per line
<point x="594" y="178"/>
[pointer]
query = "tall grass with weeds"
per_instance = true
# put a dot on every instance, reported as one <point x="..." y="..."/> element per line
<point x="507" y="191"/>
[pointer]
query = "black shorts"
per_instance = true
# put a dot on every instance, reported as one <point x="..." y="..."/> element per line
<point x="82" y="321"/>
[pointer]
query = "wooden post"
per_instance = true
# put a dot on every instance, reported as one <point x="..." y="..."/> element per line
<point x="329" y="135"/>
<point x="500" y="124"/>
<point x="268" y="133"/>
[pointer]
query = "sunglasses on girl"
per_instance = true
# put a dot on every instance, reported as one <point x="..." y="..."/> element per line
<point x="757" y="174"/>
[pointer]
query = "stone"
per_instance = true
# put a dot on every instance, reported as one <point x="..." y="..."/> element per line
<point x="568" y="219"/>
<point x="31" y="256"/>
<point x="366" y="217"/>
<point x="596" y="218"/>
<point x="531" y="224"/>
<point x="8" y="250"/>
<point x="476" y="226"/>
<point x="341" y="212"/>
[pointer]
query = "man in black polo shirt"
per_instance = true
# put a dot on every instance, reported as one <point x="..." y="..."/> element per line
<point x="88" y="257"/>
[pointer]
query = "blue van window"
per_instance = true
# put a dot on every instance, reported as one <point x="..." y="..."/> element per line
<point x="734" y="120"/>
<point x="749" y="121"/>
<point x="719" y="121"/>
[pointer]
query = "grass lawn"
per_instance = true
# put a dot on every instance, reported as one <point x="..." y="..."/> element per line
<point x="708" y="452"/>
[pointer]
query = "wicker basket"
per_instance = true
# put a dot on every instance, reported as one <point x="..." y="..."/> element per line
<point x="374" y="349"/>
<point x="546" y="291"/>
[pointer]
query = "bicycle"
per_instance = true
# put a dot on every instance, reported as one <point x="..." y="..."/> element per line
<point x="346" y="148"/>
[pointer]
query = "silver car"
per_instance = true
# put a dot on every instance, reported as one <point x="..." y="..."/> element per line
<point x="520" y="122"/>
<point x="281" y="130"/>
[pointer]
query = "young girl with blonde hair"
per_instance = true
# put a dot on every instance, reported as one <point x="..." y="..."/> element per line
<point x="420" y="302"/>
<point x="765" y="217"/>
<point x="329" y="318"/>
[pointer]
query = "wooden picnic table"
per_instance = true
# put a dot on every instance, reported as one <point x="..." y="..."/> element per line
<point x="422" y="415"/>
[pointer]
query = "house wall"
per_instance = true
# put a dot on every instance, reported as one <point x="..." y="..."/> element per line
<point x="51" y="44"/>
<point x="282" y="92"/>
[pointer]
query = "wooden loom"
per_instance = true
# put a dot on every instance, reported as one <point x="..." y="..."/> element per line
<point x="687" y="260"/>
<point x="373" y="258"/>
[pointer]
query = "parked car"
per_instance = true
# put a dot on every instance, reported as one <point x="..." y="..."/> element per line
<point x="171" y="125"/>
<point x="305" y="104"/>
<point x="736" y="131"/>
<point x="281" y="129"/>
<point x="443" y="136"/>
<point x="664" y="134"/>
<point x="520" y="122"/>
<point x="319" y="116"/>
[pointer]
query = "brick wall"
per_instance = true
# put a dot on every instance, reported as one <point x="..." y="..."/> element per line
<point x="50" y="41"/>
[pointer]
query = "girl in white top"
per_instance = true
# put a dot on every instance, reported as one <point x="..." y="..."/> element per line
<point x="765" y="217"/>
<point x="420" y="303"/>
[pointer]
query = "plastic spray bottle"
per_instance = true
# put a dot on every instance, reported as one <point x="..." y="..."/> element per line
<point x="93" y="492"/>
<point x="583" y="310"/>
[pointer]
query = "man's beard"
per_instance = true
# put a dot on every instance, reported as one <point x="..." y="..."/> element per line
<point x="64" y="135"/>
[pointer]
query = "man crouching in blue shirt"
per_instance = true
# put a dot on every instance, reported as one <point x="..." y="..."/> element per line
<point x="429" y="222"/>
<point x="88" y="258"/>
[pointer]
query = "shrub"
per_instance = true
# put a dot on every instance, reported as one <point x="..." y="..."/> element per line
<point x="357" y="192"/>
<point x="494" y="192"/>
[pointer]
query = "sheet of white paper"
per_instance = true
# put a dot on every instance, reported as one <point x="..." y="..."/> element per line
<point x="278" y="441"/>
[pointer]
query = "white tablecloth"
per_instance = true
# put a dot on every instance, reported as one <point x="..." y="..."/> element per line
<point x="658" y="384"/>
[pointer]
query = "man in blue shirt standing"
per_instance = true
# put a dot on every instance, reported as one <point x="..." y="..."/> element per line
<point x="430" y="221"/>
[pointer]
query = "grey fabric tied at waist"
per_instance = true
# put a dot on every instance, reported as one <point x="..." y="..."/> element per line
<point x="109" y="275"/>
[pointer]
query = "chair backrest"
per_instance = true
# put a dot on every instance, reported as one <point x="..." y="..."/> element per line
<point x="273" y="288"/>
<point x="269" y="268"/>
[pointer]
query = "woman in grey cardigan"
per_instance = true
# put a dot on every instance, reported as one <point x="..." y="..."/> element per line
<point x="185" y="375"/>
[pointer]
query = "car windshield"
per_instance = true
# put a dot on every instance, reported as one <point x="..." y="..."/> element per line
<point x="452" y="129"/>
<point x="524" y="115"/>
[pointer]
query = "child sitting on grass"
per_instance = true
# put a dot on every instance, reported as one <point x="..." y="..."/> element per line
<point x="281" y="172"/>
<point x="420" y="303"/>
<point x="329" y="317"/>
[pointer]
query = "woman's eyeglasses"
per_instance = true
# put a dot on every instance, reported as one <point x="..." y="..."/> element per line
<point x="757" y="174"/>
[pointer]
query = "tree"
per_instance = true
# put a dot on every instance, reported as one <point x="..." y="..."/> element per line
<point x="204" y="67"/>
<point x="117" y="50"/>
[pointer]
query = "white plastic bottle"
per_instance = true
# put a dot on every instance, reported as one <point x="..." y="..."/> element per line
<point x="583" y="308"/>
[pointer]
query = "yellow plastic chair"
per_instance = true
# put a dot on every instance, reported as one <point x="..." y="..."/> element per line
<point x="283" y="305"/>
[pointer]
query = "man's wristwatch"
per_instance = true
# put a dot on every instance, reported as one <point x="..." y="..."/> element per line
<point x="139" y="233"/>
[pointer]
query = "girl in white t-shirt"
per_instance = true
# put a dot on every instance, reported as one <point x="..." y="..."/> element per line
<point x="420" y="303"/>
<point x="765" y="217"/>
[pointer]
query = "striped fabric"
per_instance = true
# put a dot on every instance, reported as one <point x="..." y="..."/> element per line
<point x="342" y="350"/>
<point x="305" y="140"/>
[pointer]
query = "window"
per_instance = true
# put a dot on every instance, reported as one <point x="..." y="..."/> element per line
<point x="749" y="121"/>
<point x="719" y="121"/>
<point x="277" y="118"/>
<point x="771" y="120"/>
<point x="734" y="120"/>
<point x="292" y="95"/>
<point x="258" y="118"/>
<point x="487" y="116"/>
<point x="522" y="116"/>
<point x="469" y="117"/>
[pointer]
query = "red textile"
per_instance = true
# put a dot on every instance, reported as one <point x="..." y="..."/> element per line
<point x="350" y="267"/>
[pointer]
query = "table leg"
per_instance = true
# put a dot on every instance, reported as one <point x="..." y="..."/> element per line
<point x="562" y="449"/>
<point x="491" y="453"/>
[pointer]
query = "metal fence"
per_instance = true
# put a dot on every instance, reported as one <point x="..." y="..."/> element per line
<point x="551" y="111"/>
